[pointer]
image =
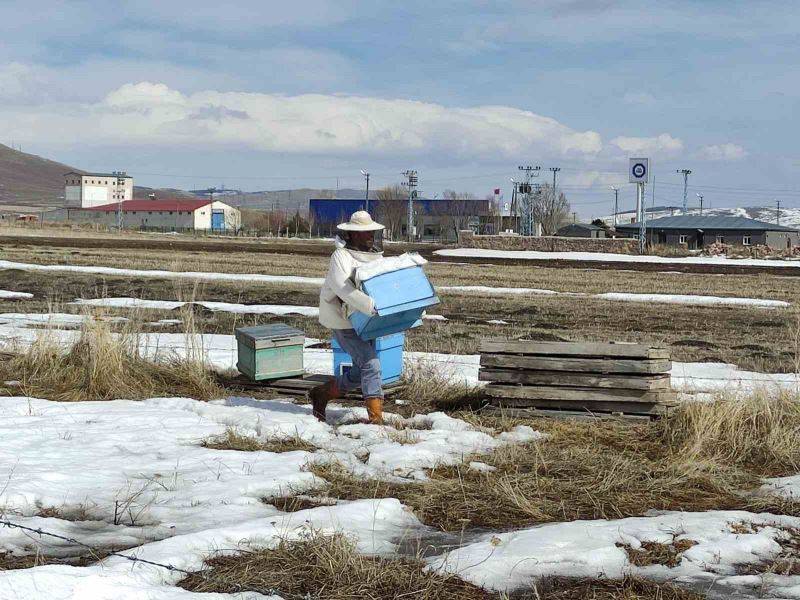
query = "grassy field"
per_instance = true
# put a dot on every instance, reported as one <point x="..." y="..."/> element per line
<point x="753" y="338"/>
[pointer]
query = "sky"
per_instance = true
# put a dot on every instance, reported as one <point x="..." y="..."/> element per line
<point x="263" y="95"/>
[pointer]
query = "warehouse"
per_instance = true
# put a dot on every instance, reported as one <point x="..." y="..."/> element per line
<point x="158" y="215"/>
<point x="88" y="190"/>
<point x="434" y="220"/>
<point x="696" y="232"/>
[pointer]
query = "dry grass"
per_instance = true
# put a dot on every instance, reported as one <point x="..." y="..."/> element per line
<point x="331" y="568"/>
<point x="556" y="480"/>
<point x="327" y="568"/>
<point x="773" y="503"/>
<point x="630" y="588"/>
<point x="10" y="562"/>
<point x="426" y="388"/>
<point x="103" y="365"/>
<point x="586" y="471"/>
<point x="787" y="563"/>
<point x="666" y="250"/>
<point x="296" y="503"/>
<point x="653" y="553"/>
<point x="760" y="432"/>
<point x="233" y="440"/>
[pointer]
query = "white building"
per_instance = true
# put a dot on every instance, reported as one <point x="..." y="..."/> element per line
<point x="164" y="215"/>
<point x="86" y="190"/>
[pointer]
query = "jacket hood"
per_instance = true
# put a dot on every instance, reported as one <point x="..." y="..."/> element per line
<point x="357" y="254"/>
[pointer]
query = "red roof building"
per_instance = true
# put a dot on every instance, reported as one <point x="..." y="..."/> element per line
<point x="152" y="205"/>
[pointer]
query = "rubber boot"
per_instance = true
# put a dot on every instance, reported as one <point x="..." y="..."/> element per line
<point x="320" y="396"/>
<point x="375" y="410"/>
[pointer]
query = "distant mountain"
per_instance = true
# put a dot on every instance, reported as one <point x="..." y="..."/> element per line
<point x="161" y="193"/>
<point x="28" y="181"/>
<point x="790" y="217"/>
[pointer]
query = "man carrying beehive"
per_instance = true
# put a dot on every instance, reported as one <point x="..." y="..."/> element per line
<point x="339" y="298"/>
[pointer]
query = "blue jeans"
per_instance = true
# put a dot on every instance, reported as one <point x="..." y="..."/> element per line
<point x="366" y="369"/>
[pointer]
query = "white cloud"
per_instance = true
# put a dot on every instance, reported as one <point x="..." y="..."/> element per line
<point x="663" y="145"/>
<point x="154" y="113"/>
<point x="722" y="152"/>
<point x="639" y="98"/>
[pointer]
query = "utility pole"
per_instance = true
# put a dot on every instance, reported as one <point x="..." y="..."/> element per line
<point x="366" y="194"/>
<point x="554" y="170"/>
<point x="616" y="204"/>
<point x="642" y="203"/>
<point x="527" y="189"/>
<point x="700" y="196"/>
<point x="411" y="183"/>
<point x="778" y="216"/>
<point x="120" y="189"/>
<point x="686" y="173"/>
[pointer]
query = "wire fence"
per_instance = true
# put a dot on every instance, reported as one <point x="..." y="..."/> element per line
<point x="94" y="551"/>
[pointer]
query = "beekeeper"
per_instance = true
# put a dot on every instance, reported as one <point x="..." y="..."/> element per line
<point x="356" y="244"/>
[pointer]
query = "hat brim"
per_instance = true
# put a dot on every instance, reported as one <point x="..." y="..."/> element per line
<point x="353" y="227"/>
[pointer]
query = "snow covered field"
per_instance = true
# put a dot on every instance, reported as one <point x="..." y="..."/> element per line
<point x="134" y="474"/>
<point x="68" y="467"/>
<point x="611" y="257"/>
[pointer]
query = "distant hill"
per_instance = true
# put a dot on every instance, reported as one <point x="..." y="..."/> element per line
<point x="29" y="181"/>
<point x="790" y="217"/>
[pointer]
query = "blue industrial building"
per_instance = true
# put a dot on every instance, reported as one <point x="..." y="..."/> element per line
<point x="434" y="219"/>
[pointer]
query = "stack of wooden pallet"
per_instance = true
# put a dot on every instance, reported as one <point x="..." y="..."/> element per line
<point x="573" y="379"/>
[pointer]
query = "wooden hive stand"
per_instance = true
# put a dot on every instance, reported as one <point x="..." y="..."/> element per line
<point x="577" y="379"/>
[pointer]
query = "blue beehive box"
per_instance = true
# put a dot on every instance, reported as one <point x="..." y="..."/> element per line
<point x="390" y="353"/>
<point x="400" y="298"/>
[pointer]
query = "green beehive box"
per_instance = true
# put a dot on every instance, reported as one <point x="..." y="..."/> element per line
<point x="270" y="351"/>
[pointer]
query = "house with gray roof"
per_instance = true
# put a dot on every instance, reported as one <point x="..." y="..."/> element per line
<point x="581" y="230"/>
<point x="697" y="231"/>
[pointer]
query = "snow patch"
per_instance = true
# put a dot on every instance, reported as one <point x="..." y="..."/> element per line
<point x="7" y="295"/>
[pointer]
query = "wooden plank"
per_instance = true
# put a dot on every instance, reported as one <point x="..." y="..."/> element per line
<point x="579" y="394"/>
<point x="575" y="349"/>
<point x="567" y="379"/>
<point x="567" y="415"/>
<point x="580" y="365"/>
<point x="633" y="408"/>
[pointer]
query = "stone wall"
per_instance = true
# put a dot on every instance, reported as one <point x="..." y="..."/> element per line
<point x="467" y="239"/>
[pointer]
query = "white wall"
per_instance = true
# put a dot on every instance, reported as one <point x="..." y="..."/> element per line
<point x="181" y="219"/>
<point x="90" y="190"/>
<point x="96" y="195"/>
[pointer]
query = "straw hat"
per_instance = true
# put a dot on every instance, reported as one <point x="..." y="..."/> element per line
<point x="360" y="221"/>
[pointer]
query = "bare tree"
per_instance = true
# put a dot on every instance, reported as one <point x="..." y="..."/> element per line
<point x="393" y="209"/>
<point x="456" y="210"/>
<point x="549" y="211"/>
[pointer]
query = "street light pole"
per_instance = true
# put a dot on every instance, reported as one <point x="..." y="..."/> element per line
<point x="366" y="194"/>
<point x="701" y="203"/>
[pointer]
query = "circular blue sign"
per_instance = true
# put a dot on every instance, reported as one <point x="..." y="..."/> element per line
<point x="639" y="170"/>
